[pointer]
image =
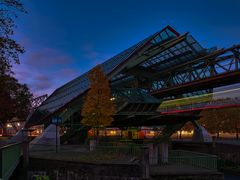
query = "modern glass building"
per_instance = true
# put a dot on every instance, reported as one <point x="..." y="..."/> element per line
<point x="165" y="65"/>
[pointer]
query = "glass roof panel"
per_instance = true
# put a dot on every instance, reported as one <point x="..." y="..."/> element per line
<point x="179" y="53"/>
<point x="164" y="35"/>
<point x="77" y="86"/>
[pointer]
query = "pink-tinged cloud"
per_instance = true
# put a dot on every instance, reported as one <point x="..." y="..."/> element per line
<point x="90" y="53"/>
<point x="45" y="70"/>
<point x="47" y="58"/>
<point x="42" y="82"/>
<point x="68" y="72"/>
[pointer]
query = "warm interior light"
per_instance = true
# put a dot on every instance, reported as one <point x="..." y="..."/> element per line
<point x="112" y="132"/>
<point x="9" y="125"/>
<point x="18" y="124"/>
<point x="112" y="99"/>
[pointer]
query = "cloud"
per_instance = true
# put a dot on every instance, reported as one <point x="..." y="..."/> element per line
<point x="42" y="82"/>
<point x="45" y="70"/>
<point x="68" y="72"/>
<point x="89" y="52"/>
<point x="47" y="58"/>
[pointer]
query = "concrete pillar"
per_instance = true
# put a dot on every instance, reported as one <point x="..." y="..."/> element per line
<point x="164" y="152"/>
<point x="25" y="154"/>
<point x="153" y="154"/>
<point x="92" y="144"/>
<point x="145" y="162"/>
<point x="200" y="133"/>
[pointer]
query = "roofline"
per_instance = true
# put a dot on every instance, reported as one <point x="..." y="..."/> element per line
<point x="144" y="45"/>
<point x="110" y="73"/>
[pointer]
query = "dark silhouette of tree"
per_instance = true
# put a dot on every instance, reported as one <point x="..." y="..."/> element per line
<point x="14" y="97"/>
<point x="9" y="48"/>
<point x="216" y="120"/>
<point x="98" y="107"/>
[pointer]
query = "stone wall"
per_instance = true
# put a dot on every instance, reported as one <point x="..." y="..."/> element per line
<point x="86" y="171"/>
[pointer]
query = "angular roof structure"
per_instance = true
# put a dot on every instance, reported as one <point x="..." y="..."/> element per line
<point x="154" y="54"/>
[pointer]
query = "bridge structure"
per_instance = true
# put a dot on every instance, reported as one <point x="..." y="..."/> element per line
<point x="11" y="127"/>
<point x="150" y="74"/>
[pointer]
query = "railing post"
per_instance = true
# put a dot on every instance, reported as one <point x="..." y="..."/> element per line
<point x="145" y="162"/>
<point x="153" y="154"/>
<point x="1" y="164"/>
<point x="213" y="145"/>
<point x="25" y="148"/>
<point x="25" y="153"/>
<point x="164" y="152"/>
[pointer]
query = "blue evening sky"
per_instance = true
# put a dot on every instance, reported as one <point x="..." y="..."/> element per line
<point x="64" y="38"/>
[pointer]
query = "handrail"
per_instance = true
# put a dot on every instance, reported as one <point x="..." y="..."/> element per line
<point x="9" y="158"/>
<point x="9" y="145"/>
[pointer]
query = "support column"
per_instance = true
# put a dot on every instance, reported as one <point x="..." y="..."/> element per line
<point x="145" y="162"/>
<point x="92" y="144"/>
<point x="25" y="148"/>
<point x="164" y="152"/>
<point x="153" y="154"/>
<point x="200" y="133"/>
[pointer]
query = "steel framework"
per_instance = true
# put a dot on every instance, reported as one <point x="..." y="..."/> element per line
<point x="221" y="67"/>
<point x="36" y="102"/>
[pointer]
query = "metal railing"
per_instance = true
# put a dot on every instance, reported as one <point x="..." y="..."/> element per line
<point x="10" y="157"/>
<point x="131" y="150"/>
<point x="194" y="159"/>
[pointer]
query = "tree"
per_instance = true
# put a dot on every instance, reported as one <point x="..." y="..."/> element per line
<point x="9" y="48"/>
<point x="214" y="120"/>
<point x="15" y="99"/>
<point x="98" y="108"/>
<point x="233" y="120"/>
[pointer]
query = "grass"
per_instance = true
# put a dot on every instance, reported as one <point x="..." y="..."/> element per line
<point x="88" y="157"/>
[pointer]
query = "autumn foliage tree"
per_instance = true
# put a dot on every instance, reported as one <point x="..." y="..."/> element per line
<point x="216" y="120"/>
<point x="98" y="108"/>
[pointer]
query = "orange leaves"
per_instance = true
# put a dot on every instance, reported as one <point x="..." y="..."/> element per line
<point x="98" y="109"/>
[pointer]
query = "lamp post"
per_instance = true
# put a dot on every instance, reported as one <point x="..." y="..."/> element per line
<point x="56" y="120"/>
